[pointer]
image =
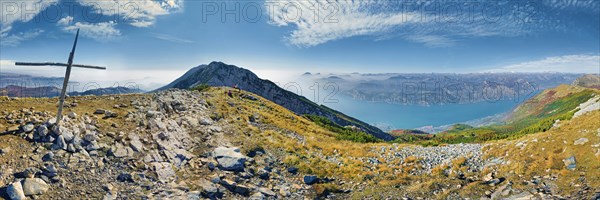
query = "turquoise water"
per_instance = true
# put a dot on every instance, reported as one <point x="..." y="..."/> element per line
<point x="416" y="116"/>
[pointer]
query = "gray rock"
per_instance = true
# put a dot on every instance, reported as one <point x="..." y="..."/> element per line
<point x="48" y="157"/>
<point x="71" y="148"/>
<point x="292" y="170"/>
<point x="89" y="137"/>
<point x="99" y="111"/>
<point x="266" y="191"/>
<point x="76" y="141"/>
<point x="152" y="114"/>
<point x="581" y="141"/>
<point x="59" y="143"/>
<point x="229" y="159"/>
<point x="309" y="179"/>
<point x="257" y="196"/>
<point x="51" y="122"/>
<point x="72" y="115"/>
<point x="205" y="121"/>
<point x="34" y="186"/>
<point x="15" y="191"/>
<point x="263" y="174"/>
<point x="110" y="114"/>
<point x="120" y="151"/>
<point x="92" y="146"/>
<point x="209" y="189"/>
<point x="50" y="171"/>
<point x="67" y="135"/>
<point x="28" y="128"/>
<point x="194" y="195"/>
<point x="164" y="171"/>
<point x="125" y="177"/>
<point x="570" y="163"/>
<point x="42" y="131"/>
<point x="135" y="143"/>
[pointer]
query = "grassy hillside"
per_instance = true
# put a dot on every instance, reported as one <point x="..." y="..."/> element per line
<point x="372" y="169"/>
<point x="537" y="114"/>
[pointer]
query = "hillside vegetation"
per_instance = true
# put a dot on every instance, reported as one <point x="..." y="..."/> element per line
<point x="283" y="152"/>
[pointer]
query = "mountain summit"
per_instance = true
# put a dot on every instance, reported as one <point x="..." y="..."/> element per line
<point x="221" y="74"/>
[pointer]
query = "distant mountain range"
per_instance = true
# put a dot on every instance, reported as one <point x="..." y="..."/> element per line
<point x="437" y="88"/>
<point x="20" y="85"/>
<point x="107" y="91"/>
<point x="221" y="74"/>
<point x="18" y="91"/>
<point x="51" y="91"/>
<point x="29" y="81"/>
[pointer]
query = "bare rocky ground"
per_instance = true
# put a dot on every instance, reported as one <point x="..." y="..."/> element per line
<point x="170" y="145"/>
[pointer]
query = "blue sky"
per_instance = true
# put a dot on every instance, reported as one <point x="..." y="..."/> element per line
<point x="157" y="40"/>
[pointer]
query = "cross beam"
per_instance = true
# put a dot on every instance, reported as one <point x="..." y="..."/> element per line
<point x="69" y="64"/>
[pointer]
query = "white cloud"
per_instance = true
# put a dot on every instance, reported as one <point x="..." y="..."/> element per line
<point x="432" y="40"/>
<point x="171" y="38"/>
<point x="582" y="63"/>
<point x="140" y="13"/>
<point x="19" y="11"/>
<point x="434" y="24"/>
<point x="101" y="31"/>
<point x="11" y="40"/>
<point x="7" y="63"/>
<point x="315" y="25"/>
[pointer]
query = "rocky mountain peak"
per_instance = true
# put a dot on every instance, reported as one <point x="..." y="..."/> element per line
<point x="221" y="74"/>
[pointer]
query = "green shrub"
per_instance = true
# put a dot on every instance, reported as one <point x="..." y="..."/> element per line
<point x="343" y="133"/>
<point x="200" y="87"/>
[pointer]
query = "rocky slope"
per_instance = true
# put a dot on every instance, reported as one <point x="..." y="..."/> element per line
<point x="588" y="80"/>
<point x="180" y="144"/>
<point x="221" y="74"/>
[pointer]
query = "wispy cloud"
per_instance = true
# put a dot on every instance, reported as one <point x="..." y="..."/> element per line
<point x="432" y="23"/>
<point x="13" y="11"/>
<point x="11" y="40"/>
<point x="101" y="31"/>
<point x="171" y="38"/>
<point x="581" y="63"/>
<point x="138" y="13"/>
<point x="592" y="5"/>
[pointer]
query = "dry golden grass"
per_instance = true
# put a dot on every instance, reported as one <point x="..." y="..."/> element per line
<point x="544" y="154"/>
<point x="316" y="140"/>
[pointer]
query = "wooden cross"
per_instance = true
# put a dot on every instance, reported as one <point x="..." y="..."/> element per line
<point x="69" y="64"/>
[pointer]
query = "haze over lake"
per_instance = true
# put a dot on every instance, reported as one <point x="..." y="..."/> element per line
<point x="399" y="116"/>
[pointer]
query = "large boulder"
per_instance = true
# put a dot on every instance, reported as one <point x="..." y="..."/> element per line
<point x="15" y="191"/>
<point x="34" y="186"/>
<point x="229" y="159"/>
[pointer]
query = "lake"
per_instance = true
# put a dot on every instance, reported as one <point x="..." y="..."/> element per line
<point x="399" y="116"/>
